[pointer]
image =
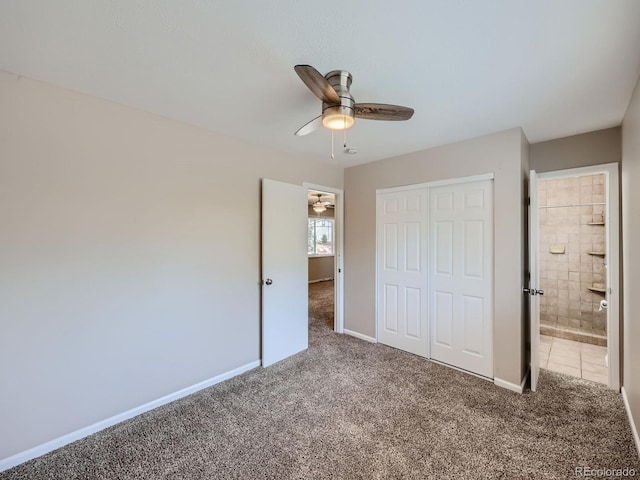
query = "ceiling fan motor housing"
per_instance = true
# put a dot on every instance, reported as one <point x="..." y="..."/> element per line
<point x="342" y="115"/>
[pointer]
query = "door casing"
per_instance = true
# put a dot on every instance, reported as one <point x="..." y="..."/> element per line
<point x="612" y="233"/>
<point x="338" y="273"/>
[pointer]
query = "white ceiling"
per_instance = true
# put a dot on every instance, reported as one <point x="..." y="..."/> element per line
<point x="468" y="68"/>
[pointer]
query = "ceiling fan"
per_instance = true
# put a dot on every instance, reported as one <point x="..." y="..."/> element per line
<point x="319" y="206"/>
<point x="339" y="109"/>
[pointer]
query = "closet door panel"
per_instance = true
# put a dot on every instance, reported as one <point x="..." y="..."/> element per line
<point x="461" y="276"/>
<point x="401" y="272"/>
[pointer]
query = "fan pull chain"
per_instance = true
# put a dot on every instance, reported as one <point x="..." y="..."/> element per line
<point x="344" y="117"/>
<point x="332" y="154"/>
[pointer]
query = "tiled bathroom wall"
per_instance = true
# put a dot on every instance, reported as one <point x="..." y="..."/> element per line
<point x="572" y="246"/>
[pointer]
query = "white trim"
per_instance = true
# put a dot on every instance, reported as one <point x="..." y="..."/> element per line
<point x="612" y="226"/>
<point x="366" y="338"/>
<point x="320" y="256"/>
<point x="437" y="183"/>
<point x="376" y="263"/>
<point x="634" y="430"/>
<point x="578" y="171"/>
<point x="612" y="221"/>
<point x="511" y="386"/>
<point x="338" y="267"/>
<point x="56" y="443"/>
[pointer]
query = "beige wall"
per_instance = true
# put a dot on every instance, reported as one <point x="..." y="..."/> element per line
<point x="130" y="253"/>
<point x="631" y="265"/>
<point x="593" y="148"/>
<point x="321" y="268"/>
<point x="501" y="154"/>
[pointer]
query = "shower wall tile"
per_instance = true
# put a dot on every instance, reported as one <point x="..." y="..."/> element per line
<point x="566" y="278"/>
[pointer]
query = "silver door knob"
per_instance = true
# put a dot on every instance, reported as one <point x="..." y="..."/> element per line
<point x="268" y="281"/>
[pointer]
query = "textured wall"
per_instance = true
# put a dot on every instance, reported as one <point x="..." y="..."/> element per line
<point x="630" y="236"/>
<point x="321" y="268"/>
<point x="586" y="149"/>
<point x="130" y="253"/>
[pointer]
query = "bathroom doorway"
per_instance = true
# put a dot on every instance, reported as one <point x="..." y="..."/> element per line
<point x="578" y="251"/>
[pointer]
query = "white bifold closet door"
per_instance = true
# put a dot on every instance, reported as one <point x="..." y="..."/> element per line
<point x="402" y="270"/>
<point x="461" y="275"/>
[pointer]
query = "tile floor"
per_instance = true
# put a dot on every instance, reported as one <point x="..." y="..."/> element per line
<point x="580" y="360"/>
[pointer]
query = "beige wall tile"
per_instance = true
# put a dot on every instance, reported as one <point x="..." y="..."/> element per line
<point x="586" y="180"/>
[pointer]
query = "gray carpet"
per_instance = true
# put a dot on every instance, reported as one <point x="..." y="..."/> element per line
<point x="349" y="409"/>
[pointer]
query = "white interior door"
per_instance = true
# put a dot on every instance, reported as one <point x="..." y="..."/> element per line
<point x="534" y="299"/>
<point x="402" y="270"/>
<point x="285" y="329"/>
<point x="461" y="275"/>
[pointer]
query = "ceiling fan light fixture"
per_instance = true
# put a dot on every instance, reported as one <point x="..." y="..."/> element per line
<point x="338" y="118"/>
<point x="339" y="109"/>
<point x="319" y="208"/>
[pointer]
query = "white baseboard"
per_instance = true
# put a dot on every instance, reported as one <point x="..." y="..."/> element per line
<point x="320" y="280"/>
<point x="511" y="386"/>
<point x="51" y="445"/>
<point x="366" y="338"/>
<point x="634" y="430"/>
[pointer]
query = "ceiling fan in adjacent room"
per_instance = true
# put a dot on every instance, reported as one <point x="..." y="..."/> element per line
<point x="339" y="109"/>
<point x="320" y="206"/>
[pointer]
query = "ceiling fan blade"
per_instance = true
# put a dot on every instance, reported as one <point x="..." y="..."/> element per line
<point x="309" y="126"/>
<point x="314" y="80"/>
<point x="381" y="111"/>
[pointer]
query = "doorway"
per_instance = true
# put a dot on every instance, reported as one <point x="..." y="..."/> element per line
<point x="285" y="302"/>
<point x="577" y="252"/>
<point x="324" y="249"/>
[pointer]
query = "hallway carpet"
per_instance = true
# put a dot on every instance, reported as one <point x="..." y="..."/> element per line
<point x="348" y="409"/>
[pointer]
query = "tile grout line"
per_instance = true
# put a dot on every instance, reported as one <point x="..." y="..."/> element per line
<point x="583" y="355"/>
